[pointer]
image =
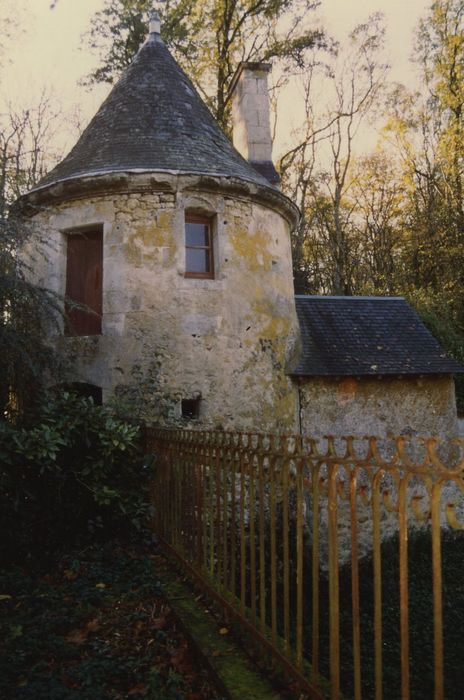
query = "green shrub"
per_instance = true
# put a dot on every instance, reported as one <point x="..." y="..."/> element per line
<point x="75" y="470"/>
<point x="442" y="320"/>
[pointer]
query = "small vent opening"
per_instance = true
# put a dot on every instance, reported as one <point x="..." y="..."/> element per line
<point x="190" y="408"/>
<point x="89" y="391"/>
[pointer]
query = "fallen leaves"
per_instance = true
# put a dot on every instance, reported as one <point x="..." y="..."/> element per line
<point x="79" y="636"/>
<point x="179" y="659"/>
<point x="70" y="574"/>
<point x="69" y="682"/>
<point x="94" y="621"/>
<point x="139" y="689"/>
<point x="160" y="623"/>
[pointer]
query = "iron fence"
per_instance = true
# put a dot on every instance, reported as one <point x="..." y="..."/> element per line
<point x="309" y="545"/>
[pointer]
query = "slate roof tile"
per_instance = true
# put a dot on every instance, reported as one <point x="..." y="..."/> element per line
<point x="355" y="336"/>
<point x="267" y="169"/>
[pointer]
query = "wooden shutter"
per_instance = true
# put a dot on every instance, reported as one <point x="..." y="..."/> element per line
<point x="84" y="277"/>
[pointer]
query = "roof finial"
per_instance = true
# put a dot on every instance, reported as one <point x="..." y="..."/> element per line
<point x="155" y="23"/>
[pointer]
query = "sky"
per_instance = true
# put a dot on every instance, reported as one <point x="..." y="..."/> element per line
<point x="45" y="52"/>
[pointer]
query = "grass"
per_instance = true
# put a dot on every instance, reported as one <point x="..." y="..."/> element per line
<point x="94" y="625"/>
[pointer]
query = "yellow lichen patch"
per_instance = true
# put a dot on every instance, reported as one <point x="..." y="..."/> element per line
<point x="144" y="243"/>
<point x="284" y="408"/>
<point x="274" y="326"/>
<point x="132" y="252"/>
<point x="164" y="224"/>
<point x="251" y="248"/>
<point x="156" y="233"/>
<point x="277" y="400"/>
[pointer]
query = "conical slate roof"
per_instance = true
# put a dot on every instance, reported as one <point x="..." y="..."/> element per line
<point x="153" y="120"/>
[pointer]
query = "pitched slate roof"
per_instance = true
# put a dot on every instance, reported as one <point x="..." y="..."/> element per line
<point x="154" y="120"/>
<point x="354" y="336"/>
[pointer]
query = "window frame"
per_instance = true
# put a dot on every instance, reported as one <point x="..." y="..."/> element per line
<point x="207" y="221"/>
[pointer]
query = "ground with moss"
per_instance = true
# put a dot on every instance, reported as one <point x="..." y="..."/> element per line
<point x="94" y="624"/>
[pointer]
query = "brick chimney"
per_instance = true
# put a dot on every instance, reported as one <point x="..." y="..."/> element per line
<point x="250" y="118"/>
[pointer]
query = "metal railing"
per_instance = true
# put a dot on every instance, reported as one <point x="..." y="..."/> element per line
<point x="305" y="544"/>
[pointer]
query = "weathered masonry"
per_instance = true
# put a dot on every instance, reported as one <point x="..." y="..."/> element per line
<point x="172" y="249"/>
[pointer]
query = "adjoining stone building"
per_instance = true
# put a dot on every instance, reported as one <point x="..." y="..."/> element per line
<point x="173" y="250"/>
<point x="368" y="366"/>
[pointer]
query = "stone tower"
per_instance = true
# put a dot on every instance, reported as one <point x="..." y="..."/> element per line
<point x="173" y="252"/>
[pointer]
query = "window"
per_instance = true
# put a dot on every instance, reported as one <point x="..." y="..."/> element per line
<point x="84" y="274"/>
<point x="190" y="408"/>
<point x="199" y="260"/>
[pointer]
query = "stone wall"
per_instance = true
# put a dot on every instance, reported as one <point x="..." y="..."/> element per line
<point x="385" y="407"/>
<point x="415" y="406"/>
<point x="167" y="337"/>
